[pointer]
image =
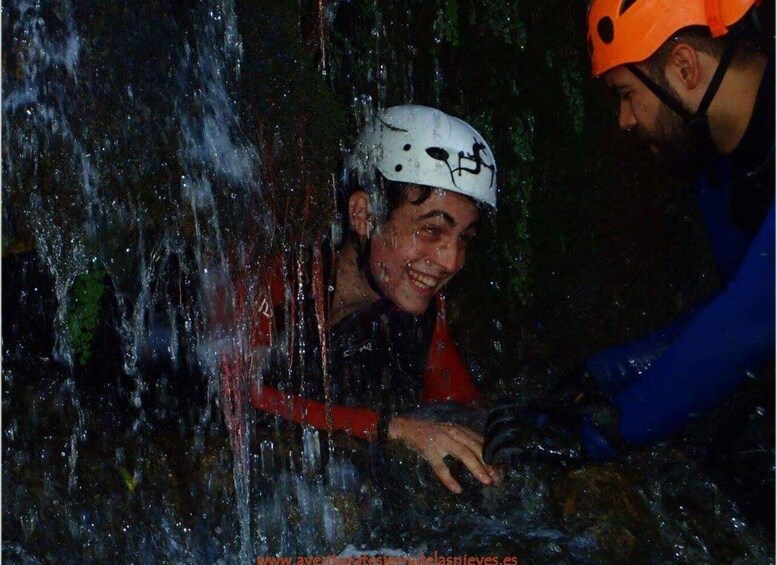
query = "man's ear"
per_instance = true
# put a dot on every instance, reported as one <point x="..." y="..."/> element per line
<point x="684" y="68"/>
<point x="360" y="214"/>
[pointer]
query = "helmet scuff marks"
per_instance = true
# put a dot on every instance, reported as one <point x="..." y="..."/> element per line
<point x="630" y="31"/>
<point x="424" y="146"/>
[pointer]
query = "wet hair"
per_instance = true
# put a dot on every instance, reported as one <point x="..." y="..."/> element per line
<point x="700" y="38"/>
<point x="385" y="196"/>
<point x="389" y="195"/>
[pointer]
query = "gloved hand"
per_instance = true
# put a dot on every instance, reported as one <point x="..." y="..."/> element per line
<point x="516" y="431"/>
<point x="579" y="422"/>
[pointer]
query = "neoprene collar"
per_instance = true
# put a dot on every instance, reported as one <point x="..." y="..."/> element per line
<point x="757" y="144"/>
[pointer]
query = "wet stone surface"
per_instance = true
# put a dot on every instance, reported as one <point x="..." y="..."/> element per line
<point x="79" y="485"/>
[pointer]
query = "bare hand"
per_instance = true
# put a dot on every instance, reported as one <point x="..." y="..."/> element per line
<point x="434" y="440"/>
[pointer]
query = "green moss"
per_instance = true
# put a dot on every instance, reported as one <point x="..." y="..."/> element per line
<point x="502" y="19"/>
<point x="83" y="311"/>
<point x="128" y="479"/>
<point x="450" y="22"/>
<point x="522" y="136"/>
<point x="299" y="123"/>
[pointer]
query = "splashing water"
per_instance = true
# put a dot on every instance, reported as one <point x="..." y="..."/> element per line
<point x="88" y="208"/>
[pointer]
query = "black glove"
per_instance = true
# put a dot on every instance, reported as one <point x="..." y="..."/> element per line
<point x="578" y="421"/>
<point x="515" y="431"/>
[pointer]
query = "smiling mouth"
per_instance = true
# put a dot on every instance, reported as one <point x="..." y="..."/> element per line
<point x="426" y="284"/>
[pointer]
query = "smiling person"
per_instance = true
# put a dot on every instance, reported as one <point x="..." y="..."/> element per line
<point x="417" y="183"/>
<point x="694" y="85"/>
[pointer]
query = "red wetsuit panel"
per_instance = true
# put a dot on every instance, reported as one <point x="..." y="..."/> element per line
<point x="357" y="422"/>
<point x="446" y="377"/>
<point x="271" y="296"/>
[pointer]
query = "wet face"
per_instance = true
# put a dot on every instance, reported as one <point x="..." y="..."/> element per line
<point x="640" y="111"/>
<point x="421" y="247"/>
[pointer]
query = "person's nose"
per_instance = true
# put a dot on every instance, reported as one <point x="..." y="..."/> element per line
<point x="626" y="118"/>
<point x="450" y="256"/>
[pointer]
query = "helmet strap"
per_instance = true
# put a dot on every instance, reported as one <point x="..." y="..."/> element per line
<point x="695" y="121"/>
<point x="660" y="93"/>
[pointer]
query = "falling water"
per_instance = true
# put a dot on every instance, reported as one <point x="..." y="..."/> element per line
<point x="89" y="210"/>
<point x="215" y="162"/>
<point x="38" y="119"/>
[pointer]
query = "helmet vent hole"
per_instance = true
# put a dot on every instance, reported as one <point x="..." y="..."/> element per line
<point x="626" y="5"/>
<point x="398" y="168"/>
<point x="407" y="147"/>
<point x="605" y="29"/>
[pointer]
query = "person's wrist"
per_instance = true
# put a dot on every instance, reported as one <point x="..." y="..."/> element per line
<point x="594" y="445"/>
<point x="393" y="428"/>
<point x="601" y="436"/>
<point x="387" y="428"/>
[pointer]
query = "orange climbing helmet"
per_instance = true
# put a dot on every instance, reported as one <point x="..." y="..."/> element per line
<point x="630" y="31"/>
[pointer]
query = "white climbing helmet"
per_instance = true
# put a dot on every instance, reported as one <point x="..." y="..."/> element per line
<point x="422" y="145"/>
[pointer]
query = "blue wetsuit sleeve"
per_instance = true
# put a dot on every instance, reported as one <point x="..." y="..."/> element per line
<point x="615" y="368"/>
<point x="734" y="333"/>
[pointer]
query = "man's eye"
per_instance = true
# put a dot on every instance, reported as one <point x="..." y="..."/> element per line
<point x="431" y="230"/>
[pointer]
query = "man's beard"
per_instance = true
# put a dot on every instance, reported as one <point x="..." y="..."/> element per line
<point x="685" y="152"/>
